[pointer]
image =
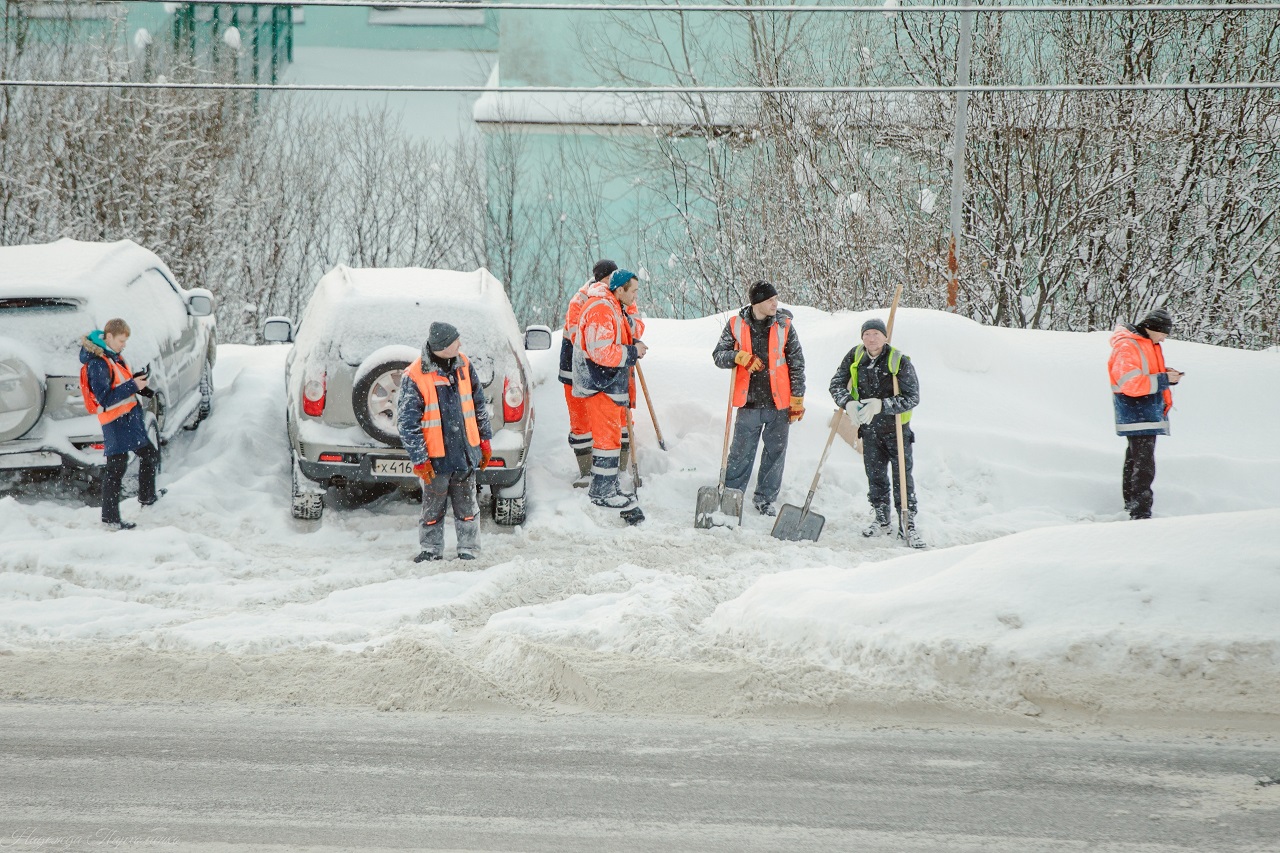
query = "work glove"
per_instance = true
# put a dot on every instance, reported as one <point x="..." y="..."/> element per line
<point x="425" y="471"/>
<point x="752" y="363"/>
<point x="797" y="409"/>
<point x="851" y="409"/>
<point x="486" y="453"/>
<point x="868" y="409"/>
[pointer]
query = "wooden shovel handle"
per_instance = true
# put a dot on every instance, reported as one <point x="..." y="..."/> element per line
<point x="728" y="420"/>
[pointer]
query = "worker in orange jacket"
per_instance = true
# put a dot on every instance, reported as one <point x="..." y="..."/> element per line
<point x="606" y="347"/>
<point x="579" y="421"/>
<point x="1140" y="387"/>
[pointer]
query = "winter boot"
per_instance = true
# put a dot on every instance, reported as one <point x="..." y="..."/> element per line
<point x="910" y="536"/>
<point x="879" y="527"/>
<point x="584" y="468"/>
<point x="604" y="492"/>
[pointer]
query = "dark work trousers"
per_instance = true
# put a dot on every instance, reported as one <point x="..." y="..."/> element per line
<point x="774" y="425"/>
<point x="879" y="458"/>
<point x="458" y="489"/>
<point x="113" y="478"/>
<point x="1139" y="474"/>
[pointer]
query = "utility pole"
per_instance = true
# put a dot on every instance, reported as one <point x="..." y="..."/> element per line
<point x="957" y="154"/>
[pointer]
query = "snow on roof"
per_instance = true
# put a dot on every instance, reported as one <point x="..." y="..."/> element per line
<point x="72" y="268"/>
<point x="443" y="287"/>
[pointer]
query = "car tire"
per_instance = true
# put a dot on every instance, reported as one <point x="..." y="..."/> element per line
<point x="21" y="397"/>
<point x="374" y="396"/>
<point x="305" y="507"/>
<point x="508" y="512"/>
<point x="206" y="396"/>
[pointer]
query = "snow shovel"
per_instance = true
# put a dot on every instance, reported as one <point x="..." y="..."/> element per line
<point x="716" y="504"/>
<point x="796" y="523"/>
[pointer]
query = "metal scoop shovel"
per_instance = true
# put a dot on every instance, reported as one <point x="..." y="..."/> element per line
<point x="796" y="523"/>
<point x="718" y="506"/>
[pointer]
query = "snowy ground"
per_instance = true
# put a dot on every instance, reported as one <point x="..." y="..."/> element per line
<point x="1037" y="598"/>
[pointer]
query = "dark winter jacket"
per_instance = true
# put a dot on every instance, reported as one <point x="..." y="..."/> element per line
<point x="875" y="381"/>
<point x="759" y="392"/>
<point x="129" y="431"/>
<point x="459" y="455"/>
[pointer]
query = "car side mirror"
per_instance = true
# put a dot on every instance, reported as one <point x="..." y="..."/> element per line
<point x="537" y="337"/>
<point x="277" y="330"/>
<point x="199" y="302"/>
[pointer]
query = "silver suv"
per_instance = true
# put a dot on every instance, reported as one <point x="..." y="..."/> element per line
<point x="359" y="331"/>
<point x="51" y="296"/>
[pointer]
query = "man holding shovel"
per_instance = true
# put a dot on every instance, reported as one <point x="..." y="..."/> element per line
<point x="605" y="349"/>
<point x="863" y="386"/>
<point x="579" y="420"/>
<point x="761" y="347"/>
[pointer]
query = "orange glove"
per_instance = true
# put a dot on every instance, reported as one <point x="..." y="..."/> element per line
<point x="797" y="409"/>
<point x="486" y="453"/>
<point x="425" y="471"/>
<point x="752" y="363"/>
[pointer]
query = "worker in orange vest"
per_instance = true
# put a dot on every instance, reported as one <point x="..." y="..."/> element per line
<point x="1140" y="387"/>
<point x="606" y="347"/>
<point x="760" y="344"/>
<point x="110" y="390"/>
<point x="579" y="420"/>
<point x="443" y="421"/>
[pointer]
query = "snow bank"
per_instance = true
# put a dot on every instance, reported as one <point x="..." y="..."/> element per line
<point x="1037" y="597"/>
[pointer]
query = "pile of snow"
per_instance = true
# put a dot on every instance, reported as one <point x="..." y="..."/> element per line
<point x="1037" y="597"/>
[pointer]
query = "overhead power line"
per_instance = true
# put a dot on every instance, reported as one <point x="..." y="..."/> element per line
<point x="652" y="90"/>
<point x="770" y="10"/>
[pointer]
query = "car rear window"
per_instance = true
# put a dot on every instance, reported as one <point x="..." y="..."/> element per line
<point x="362" y="327"/>
<point x="50" y="324"/>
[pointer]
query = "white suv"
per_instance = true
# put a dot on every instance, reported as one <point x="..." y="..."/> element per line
<point x="359" y="331"/>
<point x="51" y="296"/>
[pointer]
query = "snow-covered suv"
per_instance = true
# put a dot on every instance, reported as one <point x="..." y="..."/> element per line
<point x="51" y="296"/>
<point x="359" y="331"/>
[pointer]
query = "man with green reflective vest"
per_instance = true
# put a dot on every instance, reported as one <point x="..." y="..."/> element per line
<point x="863" y="387"/>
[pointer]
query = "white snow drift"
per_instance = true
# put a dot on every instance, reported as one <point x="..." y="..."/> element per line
<point x="1036" y="598"/>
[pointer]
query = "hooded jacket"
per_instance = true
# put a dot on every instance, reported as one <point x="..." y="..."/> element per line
<point x="459" y="454"/>
<point x="1139" y="384"/>
<point x="129" y="431"/>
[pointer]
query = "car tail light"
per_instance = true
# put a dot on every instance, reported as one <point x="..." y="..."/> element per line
<point x="330" y="457"/>
<point x="313" y="391"/>
<point x="496" y="462"/>
<point x="512" y="400"/>
<point x="98" y="446"/>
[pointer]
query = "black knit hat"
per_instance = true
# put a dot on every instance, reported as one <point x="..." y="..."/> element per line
<point x="602" y="269"/>
<point x="1157" y="320"/>
<point x="441" y="336"/>
<point x="874" y="323"/>
<point x="760" y="291"/>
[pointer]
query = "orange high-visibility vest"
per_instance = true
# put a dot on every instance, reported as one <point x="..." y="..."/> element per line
<point x="120" y="374"/>
<point x="432" y="425"/>
<point x="779" y="372"/>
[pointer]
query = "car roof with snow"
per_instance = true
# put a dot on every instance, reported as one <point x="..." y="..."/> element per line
<point x="364" y="308"/>
<point x="71" y="268"/>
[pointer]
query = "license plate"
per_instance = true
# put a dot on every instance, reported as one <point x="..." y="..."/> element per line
<point x="38" y="459"/>
<point x="392" y="468"/>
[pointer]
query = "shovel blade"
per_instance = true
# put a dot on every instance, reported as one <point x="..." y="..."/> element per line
<point x="718" y="507"/>
<point x="793" y="524"/>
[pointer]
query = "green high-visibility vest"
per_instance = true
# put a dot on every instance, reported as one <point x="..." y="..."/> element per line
<point x="895" y="363"/>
